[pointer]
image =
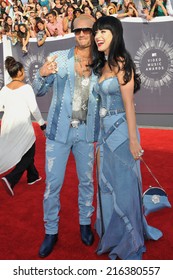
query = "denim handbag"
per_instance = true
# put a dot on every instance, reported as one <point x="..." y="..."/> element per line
<point x="154" y="198"/>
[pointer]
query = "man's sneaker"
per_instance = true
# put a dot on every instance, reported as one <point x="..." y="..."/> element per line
<point x="7" y="186"/>
<point x="33" y="182"/>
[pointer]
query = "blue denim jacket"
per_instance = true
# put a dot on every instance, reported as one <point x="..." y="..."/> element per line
<point x="60" y="111"/>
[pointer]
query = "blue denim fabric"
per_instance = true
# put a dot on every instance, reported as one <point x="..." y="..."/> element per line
<point x="122" y="227"/>
<point x="60" y="112"/>
<point x="56" y="160"/>
<point x="61" y="139"/>
<point x="120" y="222"/>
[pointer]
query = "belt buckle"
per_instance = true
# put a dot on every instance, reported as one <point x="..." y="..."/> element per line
<point x="75" y="123"/>
<point x="102" y="112"/>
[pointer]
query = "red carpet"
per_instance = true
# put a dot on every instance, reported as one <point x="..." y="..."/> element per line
<point x="21" y="217"/>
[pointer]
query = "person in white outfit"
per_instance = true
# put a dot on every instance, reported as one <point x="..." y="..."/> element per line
<point x="17" y="137"/>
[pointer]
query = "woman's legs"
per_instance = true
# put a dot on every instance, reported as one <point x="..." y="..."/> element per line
<point x="26" y="163"/>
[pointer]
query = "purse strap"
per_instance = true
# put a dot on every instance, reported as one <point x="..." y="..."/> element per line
<point x="151" y="173"/>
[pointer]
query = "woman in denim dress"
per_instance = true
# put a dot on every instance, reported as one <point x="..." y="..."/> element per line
<point x="120" y="222"/>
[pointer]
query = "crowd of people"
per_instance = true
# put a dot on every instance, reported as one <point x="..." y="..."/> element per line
<point x="93" y="87"/>
<point x="24" y="19"/>
<point x="93" y="102"/>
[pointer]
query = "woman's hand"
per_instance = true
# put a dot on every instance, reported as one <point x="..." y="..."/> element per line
<point x="136" y="150"/>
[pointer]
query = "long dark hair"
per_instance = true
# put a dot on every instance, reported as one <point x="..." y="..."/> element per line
<point x="118" y="55"/>
<point x="22" y="34"/>
<point x="13" y="66"/>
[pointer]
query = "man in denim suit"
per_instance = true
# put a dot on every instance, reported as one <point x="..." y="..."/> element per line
<point x="71" y="126"/>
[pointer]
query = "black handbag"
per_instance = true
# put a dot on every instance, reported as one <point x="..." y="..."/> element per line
<point x="154" y="198"/>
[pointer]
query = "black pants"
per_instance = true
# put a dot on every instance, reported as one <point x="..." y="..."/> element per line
<point x="26" y="163"/>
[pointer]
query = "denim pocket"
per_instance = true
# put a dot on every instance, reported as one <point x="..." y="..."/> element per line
<point x="117" y="137"/>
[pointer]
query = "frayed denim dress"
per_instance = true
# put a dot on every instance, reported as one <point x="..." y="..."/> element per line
<point x="120" y="222"/>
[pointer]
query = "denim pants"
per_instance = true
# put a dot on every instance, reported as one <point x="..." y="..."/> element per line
<point x="56" y="160"/>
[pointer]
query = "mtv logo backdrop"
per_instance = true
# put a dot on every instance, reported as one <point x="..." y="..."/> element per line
<point x="35" y="58"/>
<point x="151" y="47"/>
<point x="36" y="55"/>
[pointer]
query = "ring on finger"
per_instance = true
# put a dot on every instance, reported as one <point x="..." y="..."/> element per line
<point x="141" y="153"/>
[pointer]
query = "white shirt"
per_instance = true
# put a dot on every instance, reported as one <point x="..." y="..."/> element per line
<point x="17" y="134"/>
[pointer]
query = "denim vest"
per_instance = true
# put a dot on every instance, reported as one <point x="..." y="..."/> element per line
<point x="60" y="111"/>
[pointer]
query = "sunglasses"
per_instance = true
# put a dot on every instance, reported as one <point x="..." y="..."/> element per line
<point x="85" y="31"/>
